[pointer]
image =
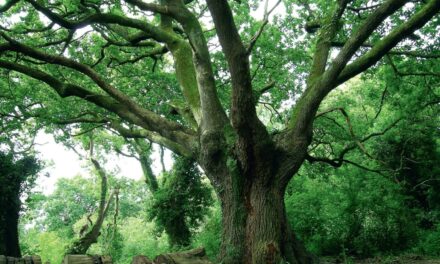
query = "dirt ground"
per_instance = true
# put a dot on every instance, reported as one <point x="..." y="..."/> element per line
<point x="383" y="260"/>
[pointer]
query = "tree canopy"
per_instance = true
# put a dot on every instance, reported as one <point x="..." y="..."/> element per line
<point x="242" y="95"/>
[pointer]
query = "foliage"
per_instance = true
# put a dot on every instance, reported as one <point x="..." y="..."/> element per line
<point x="384" y="201"/>
<point x="139" y="239"/>
<point x="18" y="176"/>
<point x="182" y="202"/>
<point x="65" y="213"/>
<point x="210" y="233"/>
<point x="49" y="245"/>
<point x="350" y="211"/>
<point x="429" y="243"/>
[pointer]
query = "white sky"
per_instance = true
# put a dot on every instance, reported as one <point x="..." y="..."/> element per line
<point x="65" y="163"/>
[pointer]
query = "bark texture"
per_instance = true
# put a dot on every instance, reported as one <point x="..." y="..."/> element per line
<point x="255" y="227"/>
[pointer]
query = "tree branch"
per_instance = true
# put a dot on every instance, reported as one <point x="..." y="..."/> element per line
<point x="155" y="8"/>
<point x="409" y="53"/>
<point x="243" y="113"/>
<point x="267" y="13"/>
<point x="213" y="116"/>
<point x="383" y="46"/>
<point x="155" y="137"/>
<point x="360" y="36"/>
<point x="103" y="18"/>
<point x="327" y="33"/>
<point x="177" y="138"/>
<point x="152" y="119"/>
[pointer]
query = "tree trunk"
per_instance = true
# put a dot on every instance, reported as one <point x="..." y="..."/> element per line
<point x="9" y="240"/>
<point x="83" y="244"/>
<point x="256" y="230"/>
<point x="255" y="226"/>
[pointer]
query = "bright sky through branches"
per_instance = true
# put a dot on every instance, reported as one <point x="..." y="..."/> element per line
<point x="64" y="162"/>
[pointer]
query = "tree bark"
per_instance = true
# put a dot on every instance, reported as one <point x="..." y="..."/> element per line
<point x="255" y="226"/>
<point x="9" y="244"/>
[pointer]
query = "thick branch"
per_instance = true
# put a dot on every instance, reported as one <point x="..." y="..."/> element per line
<point x="243" y="114"/>
<point x="383" y="46"/>
<point x="363" y="33"/>
<point x="83" y="244"/>
<point x="138" y="133"/>
<point x="304" y="111"/>
<point x="409" y="53"/>
<point x="178" y="138"/>
<point x="213" y="115"/>
<point x="326" y="34"/>
<point x="154" y="121"/>
<point x="155" y="8"/>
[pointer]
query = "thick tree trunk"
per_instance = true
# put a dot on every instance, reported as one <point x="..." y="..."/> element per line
<point x="255" y="228"/>
<point x="9" y="245"/>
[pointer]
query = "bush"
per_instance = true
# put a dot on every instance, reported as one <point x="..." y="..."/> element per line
<point x="350" y="211"/>
<point x="209" y="236"/>
<point x="429" y="243"/>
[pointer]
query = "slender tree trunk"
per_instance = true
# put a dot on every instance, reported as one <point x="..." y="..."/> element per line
<point x="83" y="244"/>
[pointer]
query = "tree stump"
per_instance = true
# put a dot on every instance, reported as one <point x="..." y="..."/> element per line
<point x="141" y="260"/>
<point x="27" y="260"/>
<point x="36" y="259"/>
<point x="24" y="260"/>
<point x="11" y="260"/>
<point x="87" y="259"/>
<point x="194" y="256"/>
<point x="106" y="260"/>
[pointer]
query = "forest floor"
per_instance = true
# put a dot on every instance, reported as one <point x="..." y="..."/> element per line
<point x="416" y="259"/>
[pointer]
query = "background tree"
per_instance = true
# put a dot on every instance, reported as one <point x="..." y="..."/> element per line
<point x="180" y="197"/>
<point x="52" y="222"/>
<point x="181" y="203"/>
<point x="17" y="176"/>
<point x="248" y="163"/>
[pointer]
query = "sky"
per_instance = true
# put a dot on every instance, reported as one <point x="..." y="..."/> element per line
<point x="65" y="163"/>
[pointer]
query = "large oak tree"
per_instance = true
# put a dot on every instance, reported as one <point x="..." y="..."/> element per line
<point x="95" y="51"/>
